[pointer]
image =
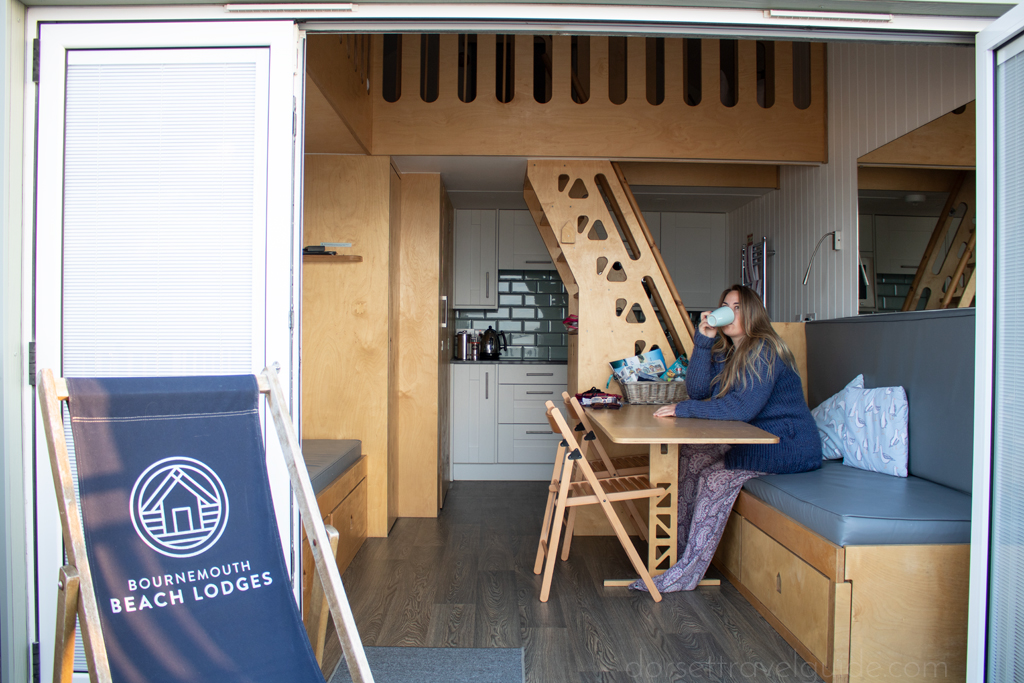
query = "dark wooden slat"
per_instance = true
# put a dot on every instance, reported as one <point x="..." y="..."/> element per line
<point x="497" y="611"/>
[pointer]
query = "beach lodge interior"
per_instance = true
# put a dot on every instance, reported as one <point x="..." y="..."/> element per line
<point x="446" y="178"/>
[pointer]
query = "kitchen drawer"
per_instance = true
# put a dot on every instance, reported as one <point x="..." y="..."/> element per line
<point x="534" y="374"/>
<point x="527" y="444"/>
<point x="524" y="403"/>
<point x="791" y="589"/>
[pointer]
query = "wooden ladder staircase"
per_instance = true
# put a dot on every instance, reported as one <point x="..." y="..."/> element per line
<point x="617" y="281"/>
<point x="954" y="285"/>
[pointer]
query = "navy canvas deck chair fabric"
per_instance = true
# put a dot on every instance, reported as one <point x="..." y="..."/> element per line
<point x="181" y="534"/>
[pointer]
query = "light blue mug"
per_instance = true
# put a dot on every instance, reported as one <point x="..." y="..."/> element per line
<point x="720" y="317"/>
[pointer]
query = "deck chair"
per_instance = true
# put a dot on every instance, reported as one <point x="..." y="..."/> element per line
<point x="174" y="568"/>
<point x="568" y="490"/>
<point x="604" y="467"/>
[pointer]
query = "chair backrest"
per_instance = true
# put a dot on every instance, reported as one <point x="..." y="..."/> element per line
<point x="576" y="412"/>
<point x="182" y="549"/>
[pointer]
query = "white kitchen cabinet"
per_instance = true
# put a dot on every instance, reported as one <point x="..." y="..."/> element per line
<point x="476" y="259"/>
<point x="693" y="246"/>
<point x="520" y="246"/>
<point x="522" y="446"/>
<point x="474" y="414"/>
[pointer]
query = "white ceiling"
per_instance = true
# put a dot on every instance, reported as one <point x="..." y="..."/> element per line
<point x="497" y="183"/>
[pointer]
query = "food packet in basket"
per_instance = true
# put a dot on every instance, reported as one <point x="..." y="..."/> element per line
<point x="677" y="371"/>
<point x="650" y="363"/>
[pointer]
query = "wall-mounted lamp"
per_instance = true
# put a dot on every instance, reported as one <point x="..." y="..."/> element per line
<point x="834" y="234"/>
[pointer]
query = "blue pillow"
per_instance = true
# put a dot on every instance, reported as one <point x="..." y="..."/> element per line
<point x="877" y="430"/>
<point x="830" y="417"/>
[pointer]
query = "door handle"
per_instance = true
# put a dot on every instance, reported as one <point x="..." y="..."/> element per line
<point x="487" y="384"/>
<point x="487" y="285"/>
<point x="444" y="303"/>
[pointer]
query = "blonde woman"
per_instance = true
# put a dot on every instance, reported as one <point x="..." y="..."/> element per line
<point x="742" y="371"/>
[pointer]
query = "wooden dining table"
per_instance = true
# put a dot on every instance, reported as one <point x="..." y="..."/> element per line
<point x="637" y="425"/>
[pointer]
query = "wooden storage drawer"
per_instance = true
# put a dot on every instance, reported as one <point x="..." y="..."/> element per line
<point x="796" y="593"/>
<point x="349" y="519"/>
<point x="729" y="553"/>
<point x="534" y="374"/>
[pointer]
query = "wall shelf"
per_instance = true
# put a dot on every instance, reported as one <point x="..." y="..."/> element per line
<point x="340" y="258"/>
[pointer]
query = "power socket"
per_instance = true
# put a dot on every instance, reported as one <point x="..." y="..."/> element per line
<point x="837" y="240"/>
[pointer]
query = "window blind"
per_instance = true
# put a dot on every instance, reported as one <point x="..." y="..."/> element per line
<point x="1006" y="580"/>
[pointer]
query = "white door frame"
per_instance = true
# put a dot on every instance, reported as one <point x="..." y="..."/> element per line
<point x="999" y="33"/>
<point x="217" y="20"/>
<point x="282" y="205"/>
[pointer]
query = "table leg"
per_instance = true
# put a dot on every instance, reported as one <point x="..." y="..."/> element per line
<point x="661" y="523"/>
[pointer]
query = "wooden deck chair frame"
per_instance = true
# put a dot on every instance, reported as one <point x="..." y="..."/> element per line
<point x="77" y="599"/>
<point x="592" y="443"/>
<point x="568" y="491"/>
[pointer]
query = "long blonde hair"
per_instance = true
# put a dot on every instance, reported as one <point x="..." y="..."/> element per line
<point x="741" y="361"/>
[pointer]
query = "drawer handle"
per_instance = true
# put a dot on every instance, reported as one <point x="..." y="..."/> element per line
<point x="546" y="393"/>
<point x="548" y="261"/>
<point x="540" y="374"/>
<point x="541" y="432"/>
<point x="778" y="583"/>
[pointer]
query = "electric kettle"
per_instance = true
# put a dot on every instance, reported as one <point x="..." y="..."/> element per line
<point x="491" y="344"/>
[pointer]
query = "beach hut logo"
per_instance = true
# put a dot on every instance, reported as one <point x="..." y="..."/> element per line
<point x="179" y="507"/>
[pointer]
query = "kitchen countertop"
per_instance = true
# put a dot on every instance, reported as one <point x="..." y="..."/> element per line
<point x="327" y="459"/>
<point x="511" y="361"/>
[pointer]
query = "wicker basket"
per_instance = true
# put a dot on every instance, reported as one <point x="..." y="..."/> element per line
<point x="654" y="393"/>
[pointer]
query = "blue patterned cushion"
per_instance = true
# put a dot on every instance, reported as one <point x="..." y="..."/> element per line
<point x="830" y="417"/>
<point x="877" y="426"/>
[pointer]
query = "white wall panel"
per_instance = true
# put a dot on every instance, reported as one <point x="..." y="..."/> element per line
<point x="876" y="93"/>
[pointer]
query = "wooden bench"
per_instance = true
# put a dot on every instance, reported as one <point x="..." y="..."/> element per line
<point x="879" y="611"/>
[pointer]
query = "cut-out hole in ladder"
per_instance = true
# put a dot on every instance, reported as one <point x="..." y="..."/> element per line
<point x="602" y="262"/>
<point x="578" y="190"/>
<point x="620" y="306"/>
<point x="618" y="217"/>
<point x="668" y="326"/>
<point x="639" y="347"/>
<point x="597" y="232"/>
<point x="563" y="180"/>
<point x="636" y="314"/>
<point x="581" y="224"/>
<point x="617" y="273"/>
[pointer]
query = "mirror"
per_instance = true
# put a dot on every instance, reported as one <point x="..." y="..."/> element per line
<point x="916" y="218"/>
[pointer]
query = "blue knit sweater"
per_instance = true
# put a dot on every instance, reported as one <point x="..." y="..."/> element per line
<point x="775" y="405"/>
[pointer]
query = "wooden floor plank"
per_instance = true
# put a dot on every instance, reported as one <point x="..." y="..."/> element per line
<point x="466" y="579"/>
<point x="451" y="625"/>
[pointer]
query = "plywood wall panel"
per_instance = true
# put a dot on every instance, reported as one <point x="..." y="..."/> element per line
<point x="418" y="375"/>
<point x="345" y="314"/>
<point x="876" y="94"/>
<point x="338" y="65"/>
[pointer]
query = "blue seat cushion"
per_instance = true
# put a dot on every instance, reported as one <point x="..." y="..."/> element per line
<point x="849" y="506"/>
<point x="327" y="459"/>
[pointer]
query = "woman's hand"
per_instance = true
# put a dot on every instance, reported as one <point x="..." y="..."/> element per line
<point x="706" y="329"/>
<point x="666" y="411"/>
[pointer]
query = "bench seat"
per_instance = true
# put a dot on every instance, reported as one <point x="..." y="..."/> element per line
<point x="850" y="506"/>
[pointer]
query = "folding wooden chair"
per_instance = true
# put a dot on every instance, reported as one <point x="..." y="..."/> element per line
<point x="604" y="467"/>
<point x="568" y="490"/>
<point x="178" y="621"/>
